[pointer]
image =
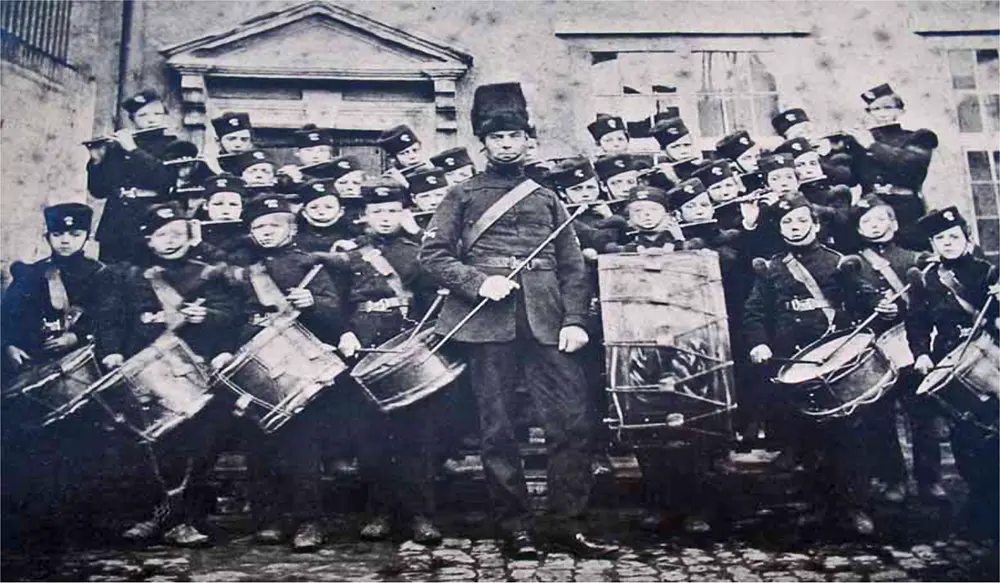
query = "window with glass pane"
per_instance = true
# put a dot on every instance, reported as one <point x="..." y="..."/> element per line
<point x="975" y="78"/>
<point x="736" y="92"/>
<point x="984" y="177"/>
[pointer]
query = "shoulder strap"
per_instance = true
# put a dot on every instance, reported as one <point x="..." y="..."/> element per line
<point x="802" y="275"/>
<point x="170" y="299"/>
<point x="884" y="268"/>
<point x="374" y="257"/>
<point x="267" y="291"/>
<point x="497" y="210"/>
<point x="951" y="282"/>
<point x="58" y="296"/>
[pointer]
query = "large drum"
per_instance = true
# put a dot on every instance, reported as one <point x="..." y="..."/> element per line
<point x="837" y="374"/>
<point x="156" y="390"/>
<point x="280" y="371"/>
<point x="53" y="391"/>
<point x="404" y="371"/>
<point x="669" y="361"/>
<point x="967" y="382"/>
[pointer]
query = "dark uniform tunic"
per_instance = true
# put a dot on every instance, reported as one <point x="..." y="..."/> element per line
<point x="130" y="182"/>
<point x="898" y="161"/>
<point x="935" y="307"/>
<point x="643" y="240"/>
<point x="312" y="238"/>
<point x="517" y="335"/>
<point x="831" y="202"/>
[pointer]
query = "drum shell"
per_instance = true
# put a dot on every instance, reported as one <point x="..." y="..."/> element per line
<point x="279" y="372"/>
<point x="53" y="391"/>
<point x="395" y="380"/>
<point x="157" y="389"/>
<point x="894" y="345"/>
<point x="979" y="368"/>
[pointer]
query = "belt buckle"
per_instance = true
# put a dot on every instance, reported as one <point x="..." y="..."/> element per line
<point x="513" y="262"/>
<point x="796" y="305"/>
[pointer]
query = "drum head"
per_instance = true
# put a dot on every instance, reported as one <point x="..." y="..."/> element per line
<point x="832" y="354"/>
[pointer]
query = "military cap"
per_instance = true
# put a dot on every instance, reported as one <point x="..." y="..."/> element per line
<point x="224" y="183"/>
<point x="452" y="159"/>
<point x="796" y="147"/>
<point x="230" y="122"/>
<point x="657" y="178"/>
<point x="427" y="180"/>
<point x="608" y="166"/>
<point x="714" y="172"/>
<point x="864" y="204"/>
<point x="158" y="215"/>
<point x="733" y="145"/>
<point x="140" y="100"/>
<point x="316" y="188"/>
<point x="267" y="204"/>
<point x="669" y="131"/>
<point x="786" y="119"/>
<point x="775" y="162"/>
<point x="940" y="220"/>
<point x="381" y="190"/>
<point x="68" y="216"/>
<point x="499" y="107"/>
<point x="789" y="203"/>
<point x="308" y="137"/>
<point x="571" y="172"/>
<point x="247" y="159"/>
<point x="396" y="139"/>
<point x="876" y="92"/>
<point x="685" y="191"/>
<point x="650" y="193"/>
<point x="335" y="168"/>
<point x="606" y="124"/>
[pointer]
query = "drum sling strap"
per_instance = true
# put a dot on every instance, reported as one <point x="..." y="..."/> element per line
<point x="374" y="257"/>
<point x="884" y="268"/>
<point x="496" y="211"/>
<point x="951" y="282"/>
<point x="170" y="299"/>
<point x="59" y="298"/>
<point x="267" y="291"/>
<point x="802" y="275"/>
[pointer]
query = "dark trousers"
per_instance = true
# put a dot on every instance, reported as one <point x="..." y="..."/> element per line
<point x="920" y="414"/>
<point x="676" y="480"/>
<point x="558" y="391"/>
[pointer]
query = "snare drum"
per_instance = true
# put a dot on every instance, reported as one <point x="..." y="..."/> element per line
<point x="280" y="371"/>
<point x="404" y="372"/>
<point x="51" y="392"/>
<point x="157" y="389"/>
<point x="965" y="382"/>
<point x="894" y="345"/>
<point x="837" y="375"/>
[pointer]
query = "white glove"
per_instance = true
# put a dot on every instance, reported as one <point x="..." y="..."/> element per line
<point x="194" y="314"/>
<point x="760" y="353"/>
<point x="112" y="361"/>
<point x="751" y="214"/>
<point x="300" y="297"/>
<point x="497" y="287"/>
<point x="125" y="140"/>
<point x="572" y="338"/>
<point x="221" y="360"/>
<point x="17" y="355"/>
<point x="886" y="309"/>
<point x="349" y="344"/>
<point x="923" y="364"/>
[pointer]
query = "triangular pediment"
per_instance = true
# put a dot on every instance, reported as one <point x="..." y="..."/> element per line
<point x="317" y="39"/>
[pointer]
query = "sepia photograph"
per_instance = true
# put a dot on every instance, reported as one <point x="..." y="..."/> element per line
<point x="500" y="290"/>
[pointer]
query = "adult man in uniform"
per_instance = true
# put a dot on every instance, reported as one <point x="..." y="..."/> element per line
<point x="535" y="319"/>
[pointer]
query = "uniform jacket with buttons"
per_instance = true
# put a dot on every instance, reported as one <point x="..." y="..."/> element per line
<point x="897" y="156"/>
<point x="900" y="261"/>
<point x="769" y="318"/>
<point x="935" y="307"/>
<point x="287" y="266"/>
<point x="140" y="318"/>
<point x="555" y="295"/>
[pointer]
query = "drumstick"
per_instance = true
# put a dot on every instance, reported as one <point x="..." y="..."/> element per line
<point x="441" y="295"/>
<point x="510" y="276"/>
<point x="379" y="350"/>
<point x="797" y="361"/>
<point x="309" y="276"/>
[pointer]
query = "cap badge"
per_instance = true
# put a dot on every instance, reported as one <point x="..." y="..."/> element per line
<point x="790" y="116"/>
<point x="319" y="187"/>
<point x="139" y="99"/>
<point x="745" y="141"/>
<point x="578" y="173"/>
<point x="689" y="189"/>
<point x="869" y="95"/>
<point x="221" y="183"/>
<point x="948" y="216"/>
<point x="783" y="205"/>
<point x="449" y="161"/>
<point x="165" y="213"/>
<point x="612" y="124"/>
<point x="863" y="204"/>
<point x="258" y="155"/>
<point x="271" y="203"/>
<point x="233" y="121"/>
<point x="797" y="147"/>
<point x="405" y="138"/>
<point x="620" y="163"/>
<point x="717" y="171"/>
<point x="313" y="137"/>
<point x="673" y="131"/>
<point x="432" y="180"/>
<point x="382" y="191"/>
<point x="68" y="221"/>
<point x="344" y="164"/>
<point x="642" y="194"/>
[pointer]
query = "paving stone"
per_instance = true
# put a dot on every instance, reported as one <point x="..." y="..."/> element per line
<point x="492" y="575"/>
<point x="708" y="576"/>
<point x="594" y="564"/>
<point x="522" y="565"/>
<point x="456" y="543"/>
<point x="453" y="556"/>
<point x="222" y="576"/>
<point x="549" y="575"/>
<point x="412" y="547"/>
<point x="522" y="574"/>
<point x="844" y="577"/>
<point x="455" y="574"/>
<point x="836" y="563"/>
<point x="107" y="578"/>
<point x="696" y="560"/>
<point x="156" y="578"/>
<point x="673" y="575"/>
<point x="778" y="576"/>
<point x="805" y="575"/>
<point x="892" y="575"/>
<point x="912" y="564"/>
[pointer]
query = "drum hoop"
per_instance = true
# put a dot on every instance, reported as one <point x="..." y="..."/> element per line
<point x="847" y="367"/>
<point x="846" y="409"/>
<point x="372" y="365"/>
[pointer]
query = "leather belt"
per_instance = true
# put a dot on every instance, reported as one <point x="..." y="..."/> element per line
<point x="383" y="305"/>
<point x="512" y="263"/>
<point x="133" y="193"/>
<point x="807" y="304"/>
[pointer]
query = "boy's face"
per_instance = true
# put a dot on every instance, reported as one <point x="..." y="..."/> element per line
<point x="152" y="115"/>
<point x="798" y="227"/>
<point x="782" y="180"/>
<point x="878" y="225"/>
<point x="885" y="110"/>
<point x="460" y="175"/>
<point x="324" y="210"/>
<point x="698" y="209"/>
<point x="614" y="143"/>
<point x="273" y="230"/>
<point x="170" y="241"/>
<point x="807" y="167"/>
<point x="384" y="217"/>
<point x="586" y="191"/>
<point x="748" y="160"/>
<point x="314" y="154"/>
<point x="409" y="156"/>
<point x="349" y="185"/>
<point x="681" y="150"/>
<point x="646" y="215"/>
<point x="531" y="151"/>
<point x="236" y="142"/>
<point x="66" y="243"/>
<point x="224" y="206"/>
<point x="951" y="243"/>
<point x="725" y="190"/>
<point x="506" y="146"/>
<point x="259" y="174"/>
<point x="620" y="184"/>
<point x="430" y="200"/>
